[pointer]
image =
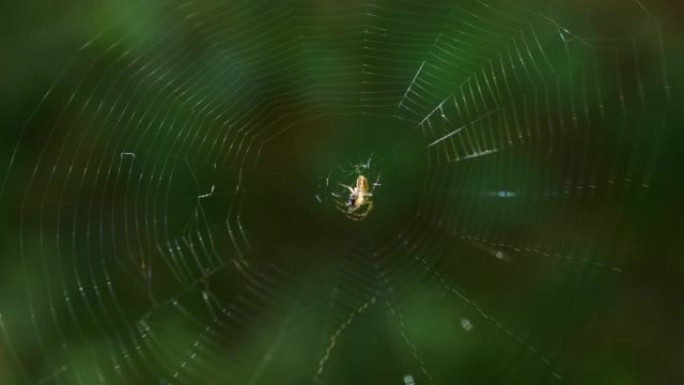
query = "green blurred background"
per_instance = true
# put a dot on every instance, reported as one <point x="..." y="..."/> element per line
<point x="170" y="170"/>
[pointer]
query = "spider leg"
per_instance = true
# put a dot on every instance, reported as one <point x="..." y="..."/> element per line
<point x="362" y="215"/>
<point x="377" y="181"/>
<point x="351" y="189"/>
<point x="341" y="207"/>
<point x="368" y="210"/>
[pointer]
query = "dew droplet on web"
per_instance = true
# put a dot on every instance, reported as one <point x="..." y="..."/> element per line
<point x="466" y="325"/>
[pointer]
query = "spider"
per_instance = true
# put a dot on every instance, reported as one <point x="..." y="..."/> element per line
<point x="358" y="196"/>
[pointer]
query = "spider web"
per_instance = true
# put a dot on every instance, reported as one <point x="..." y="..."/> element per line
<point x="163" y="195"/>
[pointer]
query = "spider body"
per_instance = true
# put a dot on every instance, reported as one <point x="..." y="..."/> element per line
<point x="359" y="196"/>
<point x="354" y="201"/>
